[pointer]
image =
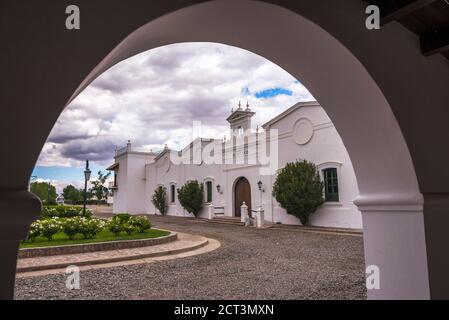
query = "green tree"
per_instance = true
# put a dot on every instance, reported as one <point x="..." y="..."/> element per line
<point x="44" y="191"/>
<point x="191" y="197"/>
<point x="159" y="200"/>
<point x="72" y="194"/>
<point x="98" y="189"/>
<point x="299" y="189"/>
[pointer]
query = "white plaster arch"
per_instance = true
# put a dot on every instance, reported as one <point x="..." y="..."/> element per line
<point x="331" y="72"/>
<point x="347" y="91"/>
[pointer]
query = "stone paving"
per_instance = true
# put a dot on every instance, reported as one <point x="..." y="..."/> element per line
<point x="249" y="264"/>
<point x="184" y="243"/>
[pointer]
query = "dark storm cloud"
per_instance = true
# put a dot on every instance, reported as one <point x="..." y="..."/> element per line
<point x="66" y="137"/>
<point x="98" y="150"/>
<point x="154" y="97"/>
<point x="112" y="84"/>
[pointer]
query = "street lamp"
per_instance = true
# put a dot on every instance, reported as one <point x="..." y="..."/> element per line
<point x="86" y="178"/>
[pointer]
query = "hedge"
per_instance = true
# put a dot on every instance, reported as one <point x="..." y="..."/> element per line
<point x="64" y="212"/>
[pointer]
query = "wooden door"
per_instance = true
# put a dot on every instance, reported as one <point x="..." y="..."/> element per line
<point x="242" y="192"/>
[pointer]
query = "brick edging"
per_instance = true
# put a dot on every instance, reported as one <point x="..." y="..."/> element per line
<point x="92" y="247"/>
<point x="117" y="259"/>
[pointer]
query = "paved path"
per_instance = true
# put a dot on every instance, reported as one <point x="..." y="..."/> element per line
<point x="250" y="264"/>
<point x="184" y="243"/>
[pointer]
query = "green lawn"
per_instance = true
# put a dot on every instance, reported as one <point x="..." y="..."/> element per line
<point x="61" y="239"/>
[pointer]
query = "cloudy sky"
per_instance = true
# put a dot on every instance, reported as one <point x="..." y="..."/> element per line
<point x="153" y="98"/>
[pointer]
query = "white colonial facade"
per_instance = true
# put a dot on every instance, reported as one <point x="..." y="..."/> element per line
<point x="304" y="130"/>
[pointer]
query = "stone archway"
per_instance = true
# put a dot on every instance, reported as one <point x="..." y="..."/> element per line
<point x="353" y="100"/>
<point x="331" y="53"/>
<point x="242" y="194"/>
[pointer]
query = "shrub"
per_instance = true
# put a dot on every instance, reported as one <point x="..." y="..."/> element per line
<point x="48" y="212"/>
<point x="122" y="217"/>
<point x="50" y="227"/>
<point x="64" y="212"/>
<point x="115" y="227"/>
<point x="118" y="222"/>
<point x="71" y="211"/>
<point x="89" y="228"/>
<point x="128" y="228"/>
<point x="128" y="224"/>
<point x="71" y="227"/>
<point x="34" y="231"/>
<point x="141" y="223"/>
<point x="299" y="189"/>
<point x="191" y="197"/>
<point x="159" y="200"/>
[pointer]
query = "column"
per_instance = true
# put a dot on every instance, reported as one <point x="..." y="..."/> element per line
<point x="211" y="211"/>
<point x="18" y="209"/>
<point x="243" y="212"/>
<point x="395" y="242"/>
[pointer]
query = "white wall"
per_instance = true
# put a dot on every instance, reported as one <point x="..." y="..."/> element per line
<point x="325" y="149"/>
<point x="131" y="194"/>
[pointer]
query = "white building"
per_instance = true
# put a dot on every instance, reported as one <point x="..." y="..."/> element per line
<point x="60" y="200"/>
<point x="110" y="197"/>
<point x="304" y="128"/>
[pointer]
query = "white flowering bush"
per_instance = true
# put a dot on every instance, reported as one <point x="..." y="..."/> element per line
<point x="35" y="230"/>
<point x="140" y="223"/>
<point x="64" y="212"/>
<point x="50" y="227"/>
<point x="128" y="228"/>
<point x="90" y="227"/>
<point x="115" y="227"/>
<point x="71" y="227"/>
<point x="124" y="222"/>
<point x="87" y="226"/>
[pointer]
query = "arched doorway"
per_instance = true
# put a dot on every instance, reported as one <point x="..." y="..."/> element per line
<point x="242" y="193"/>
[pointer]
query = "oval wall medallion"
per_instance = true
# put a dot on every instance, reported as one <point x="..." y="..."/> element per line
<point x="303" y="131"/>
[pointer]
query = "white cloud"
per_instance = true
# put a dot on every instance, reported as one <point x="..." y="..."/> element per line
<point x="153" y="98"/>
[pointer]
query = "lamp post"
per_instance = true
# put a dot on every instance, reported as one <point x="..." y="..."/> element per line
<point x="48" y="193"/>
<point x="86" y="178"/>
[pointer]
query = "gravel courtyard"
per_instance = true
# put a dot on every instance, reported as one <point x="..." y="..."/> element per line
<point x="250" y="264"/>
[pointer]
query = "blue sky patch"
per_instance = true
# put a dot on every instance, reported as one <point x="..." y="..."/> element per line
<point x="273" y="92"/>
<point x="65" y="173"/>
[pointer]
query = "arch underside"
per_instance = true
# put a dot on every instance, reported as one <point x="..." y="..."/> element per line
<point x="385" y="173"/>
<point x="331" y="72"/>
<point x="358" y="77"/>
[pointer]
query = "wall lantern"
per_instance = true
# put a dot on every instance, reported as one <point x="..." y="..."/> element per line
<point x="260" y="185"/>
<point x="218" y="188"/>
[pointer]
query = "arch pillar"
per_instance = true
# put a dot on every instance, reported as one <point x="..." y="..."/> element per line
<point x="395" y="242"/>
<point x="18" y="209"/>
